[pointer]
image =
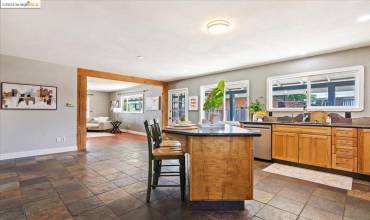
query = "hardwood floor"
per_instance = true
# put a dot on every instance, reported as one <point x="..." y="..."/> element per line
<point x="109" y="182"/>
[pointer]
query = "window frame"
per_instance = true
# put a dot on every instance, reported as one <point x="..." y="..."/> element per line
<point x="211" y="86"/>
<point x="358" y="73"/>
<point x="123" y="97"/>
<point x="169" y="107"/>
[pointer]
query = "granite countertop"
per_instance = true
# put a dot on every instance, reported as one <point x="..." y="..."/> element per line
<point x="227" y="131"/>
<point x="345" y="125"/>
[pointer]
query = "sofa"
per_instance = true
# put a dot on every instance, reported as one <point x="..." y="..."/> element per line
<point x="99" y="124"/>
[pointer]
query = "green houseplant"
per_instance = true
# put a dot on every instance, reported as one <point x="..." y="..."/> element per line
<point x="214" y="101"/>
<point x="254" y="107"/>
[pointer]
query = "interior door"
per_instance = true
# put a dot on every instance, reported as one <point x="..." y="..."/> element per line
<point x="177" y="105"/>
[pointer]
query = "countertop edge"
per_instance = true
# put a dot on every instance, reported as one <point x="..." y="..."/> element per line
<point x="211" y="134"/>
<point x="319" y="125"/>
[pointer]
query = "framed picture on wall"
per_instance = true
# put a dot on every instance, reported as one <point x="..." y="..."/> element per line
<point x="153" y="103"/>
<point x="193" y="103"/>
<point x="28" y="97"/>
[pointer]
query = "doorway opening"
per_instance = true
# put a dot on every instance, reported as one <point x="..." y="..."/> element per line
<point x="110" y="103"/>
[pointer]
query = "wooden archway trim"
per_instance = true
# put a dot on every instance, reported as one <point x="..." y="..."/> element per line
<point x="82" y="75"/>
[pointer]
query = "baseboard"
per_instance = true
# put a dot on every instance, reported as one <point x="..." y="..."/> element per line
<point x="134" y="132"/>
<point x="31" y="153"/>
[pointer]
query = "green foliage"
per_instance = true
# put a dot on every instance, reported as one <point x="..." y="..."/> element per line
<point x="256" y="106"/>
<point x="216" y="98"/>
<point x="297" y="97"/>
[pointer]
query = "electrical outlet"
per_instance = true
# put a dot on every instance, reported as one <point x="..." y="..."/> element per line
<point x="59" y="139"/>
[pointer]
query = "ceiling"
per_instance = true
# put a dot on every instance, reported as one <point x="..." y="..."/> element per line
<point x="172" y="37"/>
<point x="106" y="85"/>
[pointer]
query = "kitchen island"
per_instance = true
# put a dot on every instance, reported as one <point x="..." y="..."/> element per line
<point x="220" y="162"/>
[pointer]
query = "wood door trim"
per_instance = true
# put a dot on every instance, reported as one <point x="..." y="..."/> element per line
<point x="82" y="75"/>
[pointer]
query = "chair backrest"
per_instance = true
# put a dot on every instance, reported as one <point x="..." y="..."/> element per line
<point x="157" y="133"/>
<point x="149" y="136"/>
<point x="156" y="123"/>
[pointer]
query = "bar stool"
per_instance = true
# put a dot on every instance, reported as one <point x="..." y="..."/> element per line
<point x="156" y="156"/>
<point x="159" y="140"/>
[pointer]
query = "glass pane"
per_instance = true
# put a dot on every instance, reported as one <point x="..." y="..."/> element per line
<point x="333" y="92"/>
<point x="219" y="111"/>
<point x="236" y="102"/>
<point x="178" y="106"/>
<point x="290" y="93"/>
<point x="132" y="104"/>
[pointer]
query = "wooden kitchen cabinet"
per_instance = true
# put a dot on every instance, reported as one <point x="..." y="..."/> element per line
<point x="285" y="146"/>
<point x="364" y="151"/>
<point x="344" y="149"/>
<point x="315" y="150"/>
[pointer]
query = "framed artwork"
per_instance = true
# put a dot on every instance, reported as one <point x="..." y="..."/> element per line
<point x="193" y="103"/>
<point x="133" y="103"/>
<point x="28" y="97"/>
<point x="153" y="103"/>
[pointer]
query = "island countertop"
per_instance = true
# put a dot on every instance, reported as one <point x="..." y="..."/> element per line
<point x="227" y="131"/>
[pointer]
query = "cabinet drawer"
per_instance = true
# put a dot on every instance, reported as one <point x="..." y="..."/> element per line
<point x="349" y="142"/>
<point x="345" y="164"/>
<point x="303" y="129"/>
<point x="346" y="153"/>
<point x="344" y="132"/>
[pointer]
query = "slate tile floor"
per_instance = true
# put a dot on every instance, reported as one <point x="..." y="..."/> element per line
<point x="109" y="182"/>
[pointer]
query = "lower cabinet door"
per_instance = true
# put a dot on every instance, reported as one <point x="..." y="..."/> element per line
<point x="315" y="150"/>
<point x="285" y="146"/>
<point x="364" y="151"/>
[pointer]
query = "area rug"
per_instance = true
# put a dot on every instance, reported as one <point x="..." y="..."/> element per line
<point x="98" y="134"/>
<point x="328" y="179"/>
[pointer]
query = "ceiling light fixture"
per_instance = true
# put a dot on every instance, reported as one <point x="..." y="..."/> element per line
<point x="218" y="26"/>
<point x="363" y="18"/>
<point x="140" y="57"/>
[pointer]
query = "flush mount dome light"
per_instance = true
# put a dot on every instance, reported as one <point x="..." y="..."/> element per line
<point x="218" y="26"/>
<point x="364" y="18"/>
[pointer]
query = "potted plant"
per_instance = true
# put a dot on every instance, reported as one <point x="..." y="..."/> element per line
<point x="256" y="108"/>
<point x="214" y="101"/>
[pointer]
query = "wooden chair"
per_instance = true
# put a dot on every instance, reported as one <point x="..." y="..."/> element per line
<point x="159" y="154"/>
<point x="159" y="140"/>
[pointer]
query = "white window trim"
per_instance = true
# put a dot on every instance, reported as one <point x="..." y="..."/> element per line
<point x="171" y="91"/>
<point x="358" y="71"/>
<point x="211" y="86"/>
<point x="129" y="96"/>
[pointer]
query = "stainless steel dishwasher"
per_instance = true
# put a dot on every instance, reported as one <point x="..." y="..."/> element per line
<point x="261" y="145"/>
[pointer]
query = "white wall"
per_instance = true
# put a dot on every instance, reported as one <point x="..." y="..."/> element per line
<point x="99" y="103"/>
<point x="134" y="121"/>
<point x="257" y="75"/>
<point x="35" y="131"/>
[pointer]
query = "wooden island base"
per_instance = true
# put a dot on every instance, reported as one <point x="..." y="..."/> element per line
<point x="220" y="168"/>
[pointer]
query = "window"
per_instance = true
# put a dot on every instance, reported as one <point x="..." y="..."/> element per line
<point x="339" y="89"/>
<point x="235" y="106"/>
<point x="132" y="103"/>
<point x="290" y="94"/>
<point x="177" y="105"/>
